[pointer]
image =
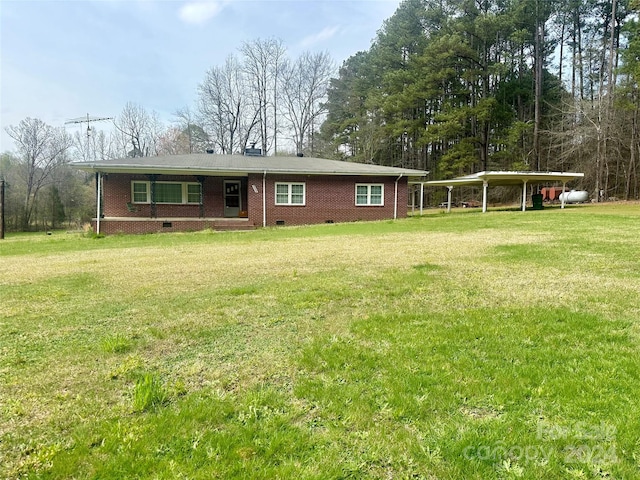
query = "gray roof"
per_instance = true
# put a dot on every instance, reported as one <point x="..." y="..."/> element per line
<point x="211" y="164"/>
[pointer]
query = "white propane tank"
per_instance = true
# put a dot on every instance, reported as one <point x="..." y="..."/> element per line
<point x="574" y="196"/>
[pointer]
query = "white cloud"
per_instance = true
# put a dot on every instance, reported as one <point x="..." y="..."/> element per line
<point x="323" y="35"/>
<point x="201" y="12"/>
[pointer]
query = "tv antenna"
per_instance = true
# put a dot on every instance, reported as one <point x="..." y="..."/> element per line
<point x="88" y="120"/>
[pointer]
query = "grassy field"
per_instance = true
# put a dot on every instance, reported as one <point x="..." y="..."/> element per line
<point x="460" y="346"/>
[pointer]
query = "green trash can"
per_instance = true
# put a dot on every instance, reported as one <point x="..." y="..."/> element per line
<point x="536" y="198"/>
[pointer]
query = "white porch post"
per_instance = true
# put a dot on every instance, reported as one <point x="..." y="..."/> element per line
<point x="485" y="188"/>
<point x="449" y="188"/>
<point x="421" y="197"/>
<point x="524" y="195"/>
<point x="264" y="199"/>
<point x="98" y="201"/>
<point x="413" y="199"/>
<point x="562" y="195"/>
<point x="395" y="198"/>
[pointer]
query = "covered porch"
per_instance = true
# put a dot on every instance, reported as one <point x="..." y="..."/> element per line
<point x="137" y="203"/>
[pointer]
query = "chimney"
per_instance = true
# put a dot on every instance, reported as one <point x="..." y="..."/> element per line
<point x="253" y="152"/>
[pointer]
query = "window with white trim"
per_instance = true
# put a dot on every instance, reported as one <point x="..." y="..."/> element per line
<point x="140" y="192"/>
<point x="290" y="193"/>
<point x="193" y="192"/>
<point x="369" y="194"/>
<point x="166" y="192"/>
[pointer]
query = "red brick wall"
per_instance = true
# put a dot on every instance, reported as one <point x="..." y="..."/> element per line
<point x="328" y="198"/>
<point x="110" y="227"/>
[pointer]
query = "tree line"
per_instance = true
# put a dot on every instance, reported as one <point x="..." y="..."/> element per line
<point x="460" y="86"/>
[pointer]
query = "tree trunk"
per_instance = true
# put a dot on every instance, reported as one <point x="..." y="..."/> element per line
<point x="539" y="57"/>
<point x="632" y="151"/>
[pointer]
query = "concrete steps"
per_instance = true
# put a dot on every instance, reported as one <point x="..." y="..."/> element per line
<point x="229" y="224"/>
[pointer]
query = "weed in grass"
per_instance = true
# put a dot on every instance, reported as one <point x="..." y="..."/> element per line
<point x="157" y="333"/>
<point x="149" y="393"/>
<point x="243" y="290"/>
<point x="427" y="267"/>
<point x="128" y="368"/>
<point x="116" y="344"/>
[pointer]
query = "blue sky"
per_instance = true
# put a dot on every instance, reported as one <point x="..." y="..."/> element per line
<point x="62" y="59"/>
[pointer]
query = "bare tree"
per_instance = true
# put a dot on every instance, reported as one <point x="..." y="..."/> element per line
<point x="139" y="131"/>
<point x="95" y="145"/>
<point x="189" y="127"/>
<point x="227" y="113"/>
<point x="174" y="142"/>
<point x="42" y="149"/>
<point x="186" y="121"/>
<point x="262" y="63"/>
<point x="304" y="87"/>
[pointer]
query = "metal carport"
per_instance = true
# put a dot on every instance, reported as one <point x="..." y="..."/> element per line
<point x="499" y="178"/>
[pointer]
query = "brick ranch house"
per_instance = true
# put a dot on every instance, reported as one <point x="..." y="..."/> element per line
<point x="200" y="191"/>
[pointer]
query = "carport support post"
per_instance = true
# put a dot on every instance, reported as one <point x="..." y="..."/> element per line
<point x="562" y="195"/>
<point x="421" y="197"/>
<point x="485" y="188"/>
<point x="449" y="188"/>
<point x="524" y="195"/>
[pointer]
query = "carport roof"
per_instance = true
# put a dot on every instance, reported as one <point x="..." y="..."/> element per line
<point x="507" y="178"/>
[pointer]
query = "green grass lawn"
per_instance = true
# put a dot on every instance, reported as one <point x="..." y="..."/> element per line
<point x="459" y="346"/>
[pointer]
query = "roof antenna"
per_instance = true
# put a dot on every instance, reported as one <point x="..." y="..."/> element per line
<point x="88" y="120"/>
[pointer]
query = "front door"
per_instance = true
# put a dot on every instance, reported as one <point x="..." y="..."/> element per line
<point x="232" y="199"/>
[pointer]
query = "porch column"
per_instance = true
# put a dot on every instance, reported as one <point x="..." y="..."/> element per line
<point x="524" y="195"/>
<point x="200" y="179"/>
<point x="264" y="199"/>
<point x="449" y="188"/>
<point x="98" y="200"/>
<point x="421" y="197"/>
<point x="562" y="195"/>
<point x="485" y="188"/>
<point x="395" y="198"/>
<point x="152" y="188"/>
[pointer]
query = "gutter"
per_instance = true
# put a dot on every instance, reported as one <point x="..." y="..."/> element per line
<point x="395" y="198"/>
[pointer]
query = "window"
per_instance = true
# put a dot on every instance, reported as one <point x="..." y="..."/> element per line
<point x="140" y="192"/>
<point x="193" y="193"/>
<point x="290" y="194"/>
<point x="166" y="192"/>
<point x="369" y="194"/>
